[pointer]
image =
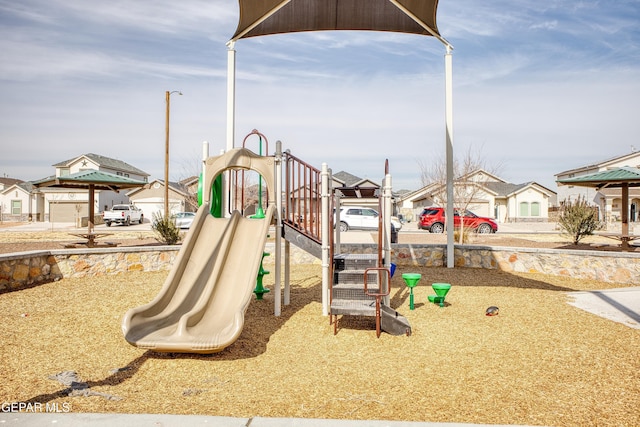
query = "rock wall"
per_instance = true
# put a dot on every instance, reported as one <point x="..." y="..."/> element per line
<point x="25" y="269"/>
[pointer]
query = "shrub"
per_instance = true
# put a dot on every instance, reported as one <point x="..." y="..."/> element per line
<point x="578" y="219"/>
<point x="165" y="229"/>
<point x="464" y="238"/>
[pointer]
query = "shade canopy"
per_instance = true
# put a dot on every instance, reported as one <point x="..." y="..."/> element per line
<point x="100" y="180"/>
<point x="610" y="178"/>
<point x="90" y="180"/>
<point x="622" y="178"/>
<point x="264" y="17"/>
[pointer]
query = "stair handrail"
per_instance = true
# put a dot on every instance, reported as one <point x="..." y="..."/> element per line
<point x="378" y="295"/>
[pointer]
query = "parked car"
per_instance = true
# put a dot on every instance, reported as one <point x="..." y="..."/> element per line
<point x="362" y="218"/>
<point x="184" y="219"/>
<point x="123" y="214"/>
<point x="433" y="219"/>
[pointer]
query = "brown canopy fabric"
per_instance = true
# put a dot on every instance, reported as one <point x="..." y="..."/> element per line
<point x="263" y="17"/>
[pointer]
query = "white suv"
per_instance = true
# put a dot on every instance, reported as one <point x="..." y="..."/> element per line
<point x="362" y="218"/>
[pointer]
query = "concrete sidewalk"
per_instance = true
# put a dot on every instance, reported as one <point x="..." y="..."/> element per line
<point x="620" y="305"/>
<point x="152" y="420"/>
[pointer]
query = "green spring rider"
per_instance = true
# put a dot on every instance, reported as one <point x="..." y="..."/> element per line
<point x="260" y="290"/>
<point x="441" y="290"/>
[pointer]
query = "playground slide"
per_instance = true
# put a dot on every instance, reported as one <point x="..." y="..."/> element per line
<point x="201" y="306"/>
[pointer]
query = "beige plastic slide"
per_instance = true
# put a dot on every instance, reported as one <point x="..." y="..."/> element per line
<point x="201" y="306"/>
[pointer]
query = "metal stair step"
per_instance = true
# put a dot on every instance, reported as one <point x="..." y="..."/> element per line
<point x="353" y="307"/>
<point x="355" y="276"/>
<point x="354" y="261"/>
<point x="351" y="294"/>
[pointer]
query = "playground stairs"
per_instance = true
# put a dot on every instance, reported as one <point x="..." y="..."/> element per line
<point x="348" y="296"/>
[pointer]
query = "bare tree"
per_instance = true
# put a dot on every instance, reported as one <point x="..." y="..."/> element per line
<point x="470" y="172"/>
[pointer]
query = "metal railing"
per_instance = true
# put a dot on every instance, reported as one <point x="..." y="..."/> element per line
<point x="302" y="189"/>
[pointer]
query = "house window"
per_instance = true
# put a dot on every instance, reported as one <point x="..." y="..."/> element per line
<point x="535" y="208"/>
<point x="524" y="208"/>
<point x="64" y="171"/>
<point x="16" y="207"/>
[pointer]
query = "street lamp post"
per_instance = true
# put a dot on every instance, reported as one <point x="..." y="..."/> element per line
<point x="166" y="154"/>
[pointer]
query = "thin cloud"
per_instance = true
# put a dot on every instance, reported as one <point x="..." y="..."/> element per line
<point x="542" y="86"/>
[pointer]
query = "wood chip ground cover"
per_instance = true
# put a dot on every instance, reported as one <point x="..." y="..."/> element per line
<point x="541" y="361"/>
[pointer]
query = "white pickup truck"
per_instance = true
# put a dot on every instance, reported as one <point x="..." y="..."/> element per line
<point x="123" y="214"/>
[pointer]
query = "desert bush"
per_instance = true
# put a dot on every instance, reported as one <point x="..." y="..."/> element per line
<point x="578" y="220"/>
<point x="165" y="229"/>
<point x="465" y="237"/>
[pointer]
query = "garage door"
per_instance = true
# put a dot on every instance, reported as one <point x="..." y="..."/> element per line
<point x="149" y="208"/>
<point x="67" y="212"/>
<point x="481" y="209"/>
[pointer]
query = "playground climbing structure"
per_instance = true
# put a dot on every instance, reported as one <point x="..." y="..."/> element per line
<point x="202" y="303"/>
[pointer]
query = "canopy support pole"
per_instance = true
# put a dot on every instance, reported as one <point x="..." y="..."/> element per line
<point x="277" y="308"/>
<point x="326" y="261"/>
<point x="92" y="192"/>
<point x="231" y="94"/>
<point x="448" y="107"/>
<point x="625" y="216"/>
<point x="231" y="121"/>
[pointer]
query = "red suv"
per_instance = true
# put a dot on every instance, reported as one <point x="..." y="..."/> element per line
<point x="432" y="219"/>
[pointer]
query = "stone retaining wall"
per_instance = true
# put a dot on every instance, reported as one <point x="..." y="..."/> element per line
<point x="25" y="269"/>
<point x="29" y="268"/>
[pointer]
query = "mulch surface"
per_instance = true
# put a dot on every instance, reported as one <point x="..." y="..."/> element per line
<point x="540" y="361"/>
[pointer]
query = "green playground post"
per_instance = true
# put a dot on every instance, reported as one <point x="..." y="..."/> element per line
<point x="259" y="211"/>
<point x="216" y="195"/>
<point x="411" y="280"/>
<point x="260" y="290"/>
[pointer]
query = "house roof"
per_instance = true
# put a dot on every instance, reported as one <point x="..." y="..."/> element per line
<point x="503" y="189"/>
<point x="499" y="188"/>
<point x="9" y="181"/>
<point x="506" y="189"/>
<point x="106" y="162"/>
<point x="486" y="176"/>
<point x="610" y="178"/>
<point x="24" y="186"/>
<point x="100" y="180"/>
<point x="264" y="17"/>
<point x="178" y="187"/>
<point x="348" y="179"/>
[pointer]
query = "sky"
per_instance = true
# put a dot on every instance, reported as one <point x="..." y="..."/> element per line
<point x="538" y="87"/>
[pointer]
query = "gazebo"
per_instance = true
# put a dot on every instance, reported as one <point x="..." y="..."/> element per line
<point x="91" y="180"/>
<point x="622" y="178"/>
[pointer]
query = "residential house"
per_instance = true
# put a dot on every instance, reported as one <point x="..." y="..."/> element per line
<point x="491" y="197"/>
<point x="64" y="204"/>
<point x="355" y="191"/>
<point x="150" y="198"/>
<point x="15" y="199"/>
<point x="608" y="200"/>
